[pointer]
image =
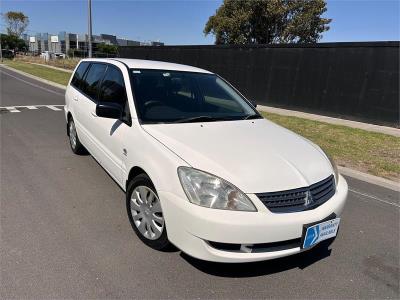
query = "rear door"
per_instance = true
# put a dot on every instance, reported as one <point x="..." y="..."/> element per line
<point x="86" y="107"/>
<point x="73" y="92"/>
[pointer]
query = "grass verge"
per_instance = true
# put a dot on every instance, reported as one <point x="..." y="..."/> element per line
<point x="374" y="153"/>
<point x="40" y="71"/>
<point x="67" y="63"/>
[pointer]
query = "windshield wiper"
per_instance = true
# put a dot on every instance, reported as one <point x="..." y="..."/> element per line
<point x="249" y="117"/>
<point x="196" y="119"/>
<point x="211" y="119"/>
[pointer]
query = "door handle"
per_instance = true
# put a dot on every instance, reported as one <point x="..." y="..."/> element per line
<point x="75" y="98"/>
<point x="93" y="114"/>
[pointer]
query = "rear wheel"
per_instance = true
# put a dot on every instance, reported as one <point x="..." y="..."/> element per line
<point x="74" y="142"/>
<point x="145" y="213"/>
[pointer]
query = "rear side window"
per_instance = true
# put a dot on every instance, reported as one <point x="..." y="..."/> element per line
<point x="112" y="88"/>
<point x="78" y="76"/>
<point x="90" y="85"/>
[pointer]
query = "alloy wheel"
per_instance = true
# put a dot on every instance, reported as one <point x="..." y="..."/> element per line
<point x="146" y="212"/>
<point x="72" y="134"/>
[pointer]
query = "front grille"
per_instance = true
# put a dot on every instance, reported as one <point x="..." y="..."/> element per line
<point x="301" y="199"/>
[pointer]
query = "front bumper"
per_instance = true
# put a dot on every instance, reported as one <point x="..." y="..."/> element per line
<point x="191" y="227"/>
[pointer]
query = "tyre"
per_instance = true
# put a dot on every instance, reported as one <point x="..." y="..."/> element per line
<point x="74" y="142"/>
<point x="145" y="213"/>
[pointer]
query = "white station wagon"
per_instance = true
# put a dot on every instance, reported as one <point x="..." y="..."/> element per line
<point x="202" y="170"/>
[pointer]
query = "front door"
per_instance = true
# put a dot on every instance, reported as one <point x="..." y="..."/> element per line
<point x="110" y="133"/>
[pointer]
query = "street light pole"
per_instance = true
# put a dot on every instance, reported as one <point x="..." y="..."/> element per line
<point x="90" y="27"/>
<point x="1" y="50"/>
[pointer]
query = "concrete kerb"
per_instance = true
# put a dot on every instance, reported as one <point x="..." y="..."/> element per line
<point x="60" y="86"/>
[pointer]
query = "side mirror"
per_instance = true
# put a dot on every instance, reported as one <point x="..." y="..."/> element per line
<point x="109" y="110"/>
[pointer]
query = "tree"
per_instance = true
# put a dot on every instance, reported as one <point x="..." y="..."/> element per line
<point x="268" y="22"/>
<point x="12" y="42"/>
<point x="16" y="22"/>
<point x="107" y="49"/>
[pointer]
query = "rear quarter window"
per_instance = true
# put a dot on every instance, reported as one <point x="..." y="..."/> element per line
<point x="78" y="75"/>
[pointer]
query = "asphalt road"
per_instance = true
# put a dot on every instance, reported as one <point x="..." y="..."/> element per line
<point x="65" y="232"/>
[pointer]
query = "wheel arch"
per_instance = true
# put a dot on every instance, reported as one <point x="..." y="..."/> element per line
<point x="135" y="171"/>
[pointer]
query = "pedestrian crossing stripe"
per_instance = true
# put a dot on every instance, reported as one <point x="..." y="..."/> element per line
<point x="52" y="107"/>
<point x="12" y="109"/>
<point x="16" y="109"/>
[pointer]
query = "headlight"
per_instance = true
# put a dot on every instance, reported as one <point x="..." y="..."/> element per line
<point x="335" y="169"/>
<point x="210" y="191"/>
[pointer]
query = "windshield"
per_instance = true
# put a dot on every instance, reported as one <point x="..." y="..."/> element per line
<point x="164" y="96"/>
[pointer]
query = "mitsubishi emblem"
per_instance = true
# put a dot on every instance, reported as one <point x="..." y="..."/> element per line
<point x="308" y="199"/>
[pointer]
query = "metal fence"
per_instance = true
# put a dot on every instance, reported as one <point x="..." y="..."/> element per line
<point x="358" y="81"/>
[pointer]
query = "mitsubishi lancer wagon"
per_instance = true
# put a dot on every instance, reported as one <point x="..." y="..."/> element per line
<point x="201" y="168"/>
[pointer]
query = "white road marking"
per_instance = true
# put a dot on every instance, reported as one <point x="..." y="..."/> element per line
<point x="375" y="198"/>
<point x="40" y="105"/>
<point x="55" y="107"/>
<point x="12" y="109"/>
<point x="52" y="107"/>
<point x="32" y="84"/>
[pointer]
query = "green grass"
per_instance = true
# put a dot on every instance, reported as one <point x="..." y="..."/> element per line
<point x="370" y="152"/>
<point x="67" y="63"/>
<point x="42" y="72"/>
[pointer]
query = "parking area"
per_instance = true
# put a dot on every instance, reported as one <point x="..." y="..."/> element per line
<point x="65" y="231"/>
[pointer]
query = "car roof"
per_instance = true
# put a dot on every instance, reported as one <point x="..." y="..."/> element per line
<point x="151" y="64"/>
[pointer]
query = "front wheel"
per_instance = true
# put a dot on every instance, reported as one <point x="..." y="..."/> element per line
<point x="145" y="213"/>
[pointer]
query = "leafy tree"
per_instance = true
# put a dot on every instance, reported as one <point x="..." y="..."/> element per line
<point x="16" y="22"/>
<point x="107" y="49"/>
<point x="268" y="22"/>
<point x="12" y="42"/>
